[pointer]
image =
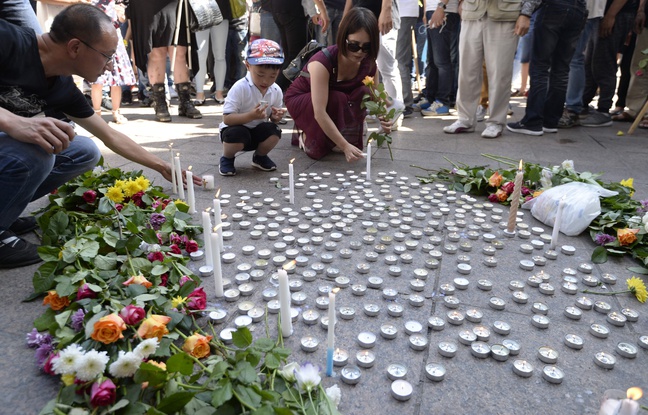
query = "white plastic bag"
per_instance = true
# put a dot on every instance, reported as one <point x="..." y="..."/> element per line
<point x="581" y="207"/>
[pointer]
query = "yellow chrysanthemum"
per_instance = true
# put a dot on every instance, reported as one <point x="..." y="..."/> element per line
<point x="630" y="184"/>
<point x="178" y="301"/>
<point x="638" y="288"/>
<point x="115" y="194"/>
<point x="120" y="183"/>
<point x="143" y="183"/>
<point x="130" y="188"/>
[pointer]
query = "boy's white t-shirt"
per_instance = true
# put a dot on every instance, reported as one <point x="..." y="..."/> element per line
<point x="243" y="96"/>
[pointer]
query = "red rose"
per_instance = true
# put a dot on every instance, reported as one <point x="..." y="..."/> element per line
<point x="155" y="256"/>
<point x="493" y="198"/>
<point x="137" y="199"/>
<point x="525" y="191"/>
<point x="48" y="365"/>
<point x="175" y="249"/>
<point x="164" y="280"/>
<point x="85" y="292"/>
<point x="197" y="299"/>
<point x="174" y="238"/>
<point x="89" y="196"/>
<point x="132" y="314"/>
<point x="103" y="394"/>
<point x="191" y="246"/>
<point x="119" y="207"/>
<point x="508" y="187"/>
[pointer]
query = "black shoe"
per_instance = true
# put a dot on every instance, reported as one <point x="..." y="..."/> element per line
<point x="226" y="166"/>
<point x="16" y="252"/>
<point x="518" y="127"/>
<point x="23" y="225"/>
<point x="264" y="163"/>
<point x="407" y="112"/>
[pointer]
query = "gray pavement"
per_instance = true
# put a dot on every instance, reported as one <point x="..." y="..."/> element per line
<point x="471" y="385"/>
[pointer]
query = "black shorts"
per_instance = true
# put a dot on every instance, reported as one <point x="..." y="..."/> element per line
<point x="249" y="137"/>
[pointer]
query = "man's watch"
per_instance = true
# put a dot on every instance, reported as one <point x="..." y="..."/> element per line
<point x="442" y="5"/>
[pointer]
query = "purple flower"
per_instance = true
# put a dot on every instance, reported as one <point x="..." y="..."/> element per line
<point x="43" y="352"/>
<point x="36" y="339"/>
<point x="644" y="205"/>
<point x="603" y="238"/>
<point x="157" y="219"/>
<point x="77" y="320"/>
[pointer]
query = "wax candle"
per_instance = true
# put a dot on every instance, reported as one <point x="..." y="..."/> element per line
<point x="291" y="182"/>
<point x="369" y="159"/>
<point x="207" y="226"/>
<point x="217" y="217"/>
<point x="178" y="171"/>
<point x="284" y="301"/>
<point x="208" y="182"/>
<point x="216" y="260"/>
<point x="190" y="191"/>
<point x="630" y="406"/>
<point x="330" y="339"/>
<point x="515" y="199"/>
<point x="174" y="184"/>
<point x="557" y="222"/>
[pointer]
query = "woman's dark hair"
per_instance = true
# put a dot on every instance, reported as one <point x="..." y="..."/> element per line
<point x="80" y="20"/>
<point x="357" y="19"/>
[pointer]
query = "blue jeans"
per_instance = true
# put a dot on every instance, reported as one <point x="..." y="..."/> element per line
<point x="576" y="84"/>
<point x="440" y="73"/>
<point x="329" y="37"/>
<point x="27" y="172"/>
<point x="20" y="13"/>
<point x="557" y="27"/>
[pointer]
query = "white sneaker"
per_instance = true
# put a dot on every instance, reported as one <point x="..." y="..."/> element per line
<point x="458" y="127"/>
<point x="492" y="131"/>
<point x="482" y="112"/>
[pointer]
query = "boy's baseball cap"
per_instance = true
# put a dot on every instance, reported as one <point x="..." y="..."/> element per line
<point x="265" y="52"/>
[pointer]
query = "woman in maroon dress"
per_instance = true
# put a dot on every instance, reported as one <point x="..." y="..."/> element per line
<point x="325" y="102"/>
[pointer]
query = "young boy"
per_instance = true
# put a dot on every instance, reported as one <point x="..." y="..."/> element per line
<point x="249" y="104"/>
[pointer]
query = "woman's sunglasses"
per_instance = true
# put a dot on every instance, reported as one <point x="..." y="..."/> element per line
<point x="356" y="47"/>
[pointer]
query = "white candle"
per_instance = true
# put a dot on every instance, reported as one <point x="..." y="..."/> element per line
<point x="369" y="160"/>
<point x="284" y="303"/>
<point x="190" y="191"/>
<point x="208" y="182"/>
<point x="216" y="259"/>
<point x="556" y="228"/>
<point x="178" y="170"/>
<point x="330" y="339"/>
<point x="174" y="184"/>
<point x="291" y="182"/>
<point x="217" y="218"/>
<point x="207" y="226"/>
<point x="515" y="199"/>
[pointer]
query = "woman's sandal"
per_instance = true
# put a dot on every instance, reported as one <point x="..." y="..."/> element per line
<point x="644" y="122"/>
<point x="623" y="117"/>
<point x="118" y="118"/>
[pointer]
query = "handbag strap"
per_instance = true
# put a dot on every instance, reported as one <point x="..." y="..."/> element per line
<point x="326" y="53"/>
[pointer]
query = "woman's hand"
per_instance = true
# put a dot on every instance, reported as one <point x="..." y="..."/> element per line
<point x="386" y="125"/>
<point x="352" y="153"/>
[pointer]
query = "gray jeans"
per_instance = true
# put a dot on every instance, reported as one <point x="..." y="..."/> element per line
<point x="404" y="57"/>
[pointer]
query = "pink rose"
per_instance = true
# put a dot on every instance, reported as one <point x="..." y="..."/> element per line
<point x="119" y="207"/>
<point x="89" y="196"/>
<point x="525" y="191"/>
<point x="102" y="394"/>
<point x="191" y="246"/>
<point x="174" y="238"/>
<point x="184" y="279"/>
<point x="132" y="314"/>
<point x="508" y="187"/>
<point x="175" y="249"/>
<point x="155" y="256"/>
<point x="85" y="292"/>
<point x="639" y="72"/>
<point x="197" y="299"/>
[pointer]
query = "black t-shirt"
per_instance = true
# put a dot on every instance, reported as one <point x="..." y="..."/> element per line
<point x="24" y="89"/>
<point x="374" y="5"/>
<point x="630" y="6"/>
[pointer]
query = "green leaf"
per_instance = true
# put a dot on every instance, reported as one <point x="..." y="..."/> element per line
<point x="180" y="362"/>
<point x="175" y="402"/>
<point x="638" y="270"/>
<point x="264" y="344"/>
<point x="599" y="255"/>
<point x="264" y="410"/>
<point x="105" y="263"/>
<point x="242" y="337"/>
<point x="219" y="370"/>
<point x="65" y="288"/>
<point x="222" y="394"/>
<point x="244" y="372"/>
<point x="272" y="361"/>
<point x="105" y="206"/>
<point x="248" y="396"/>
<point x="119" y="405"/>
<point x="89" y="250"/>
<point x="45" y="320"/>
<point x="61" y="319"/>
<point x="49" y="253"/>
<point x="140" y="299"/>
<point x="59" y="223"/>
<point x="151" y="374"/>
<point x="43" y="279"/>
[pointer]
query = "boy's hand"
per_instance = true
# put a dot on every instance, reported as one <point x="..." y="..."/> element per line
<point x="277" y="114"/>
<point x="259" y="112"/>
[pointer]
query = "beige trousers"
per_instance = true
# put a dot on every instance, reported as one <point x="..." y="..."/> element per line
<point x="494" y="43"/>
<point x="638" y="88"/>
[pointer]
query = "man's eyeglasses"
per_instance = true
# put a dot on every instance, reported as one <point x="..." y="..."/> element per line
<point x="356" y="47"/>
<point x="109" y="58"/>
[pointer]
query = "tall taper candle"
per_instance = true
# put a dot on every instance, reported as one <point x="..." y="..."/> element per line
<point x="207" y="227"/>
<point x="174" y="184"/>
<point x="291" y="181"/>
<point x="284" y="303"/>
<point x="178" y="169"/>
<point x="191" y="196"/>
<point x="369" y="160"/>
<point x="217" y="218"/>
<point x="216" y="258"/>
<point x="515" y="200"/>
<point x="330" y="338"/>
<point x="556" y="227"/>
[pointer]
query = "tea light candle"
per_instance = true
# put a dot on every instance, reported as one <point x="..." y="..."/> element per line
<point x="451" y="301"/>
<point x="547" y="355"/>
<point x="396" y="371"/>
<point x="395" y="310"/>
<point x="480" y="350"/>
<point x="546" y="288"/>
<point x="643" y="342"/>
<point x="482" y="333"/>
<point x="502" y="327"/>
<point x="584" y="303"/>
<point x="416" y="300"/>
<point x="366" y="340"/>
<point x="365" y="358"/>
<point x="604" y="360"/>
<point x="630" y="314"/>
<point x="388" y="331"/>
<point x="522" y="368"/>
<point x="609" y="279"/>
<point x="553" y="374"/>
<point x="461" y="283"/>
<point x="435" y="371"/>
<point x="484" y="284"/>
<point x="447" y="349"/>
<point x="496" y="303"/>
<point x="616" y="319"/>
<point x="218" y="316"/>
<point x="474" y="316"/>
<point x="602" y="307"/>
<point x="350" y="375"/>
<point x="456" y="318"/>
<point x="569" y="288"/>
<point x="568" y="250"/>
<point x="540" y="321"/>
<point x="347" y="313"/>
<point x="627" y="350"/>
<point x="401" y="390"/>
<point x="599" y="330"/>
<point x="573" y="313"/>
<point x="573" y="341"/>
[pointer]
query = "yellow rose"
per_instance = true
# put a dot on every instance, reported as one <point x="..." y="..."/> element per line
<point x="368" y="80"/>
<point x="627" y="236"/>
<point x="55" y="302"/>
<point x="108" y="329"/>
<point x="197" y="345"/>
<point x="495" y="180"/>
<point x="139" y="280"/>
<point x="154" y="326"/>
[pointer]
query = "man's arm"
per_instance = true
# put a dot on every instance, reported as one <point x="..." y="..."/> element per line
<point x="385" y="23"/>
<point x="524" y="20"/>
<point x="640" y="20"/>
<point x="50" y="134"/>
<point x="607" y="24"/>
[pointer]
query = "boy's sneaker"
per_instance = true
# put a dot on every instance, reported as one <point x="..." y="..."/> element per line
<point x="458" y="127"/>
<point x="16" y="252"/>
<point x="518" y="127"/>
<point x="492" y="131"/>
<point x="408" y="112"/>
<point x="23" y="225"/>
<point x="568" y="120"/>
<point x="597" y="119"/>
<point x="263" y="162"/>
<point x="436" y="109"/>
<point x="226" y="166"/>
<point x="482" y="113"/>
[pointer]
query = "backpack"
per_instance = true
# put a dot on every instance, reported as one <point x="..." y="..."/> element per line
<point x="295" y="68"/>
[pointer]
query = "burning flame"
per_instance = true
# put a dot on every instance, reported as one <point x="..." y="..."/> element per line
<point x="291" y="161"/>
<point x="335" y="290"/>
<point x="217" y="193"/>
<point x="217" y="227"/>
<point x="520" y="166"/>
<point x="189" y="168"/>
<point x="634" y="393"/>
<point x="289" y="265"/>
<point x="178" y="154"/>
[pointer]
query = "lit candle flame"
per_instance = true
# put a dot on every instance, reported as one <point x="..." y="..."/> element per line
<point x="217" y="193"/>
<point x="369" y="142"/>
<point x="208" y="210"/>
<point x="634" y="393"/>
<point x="335" y="290"/>
<point x="189" y="168"/>
<point x="217" y="227"/>
<point x="291" y="161"/>
<point x="520" y="166"/>
<point x="289" y="265"/>
<point x="178" y="154"/>
<point x="170" y="146"/>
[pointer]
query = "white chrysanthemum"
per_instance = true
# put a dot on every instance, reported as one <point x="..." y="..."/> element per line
<point x="78" y="411"/>
<point x="334" y="394"/>
<point x="567" y="165"/>
<point x="126" y="365"/>
<point x="646" y="227"/>
<point x="68" y="360"/>
<point x="288" y="371"/>
<point x="644" y="220"/>
<point x="97" y="171"/>
<point x="91" y="365"/>
<point x="147" y="348"/>
<point x="154" y="248"/>
<point x="307" y="377"/>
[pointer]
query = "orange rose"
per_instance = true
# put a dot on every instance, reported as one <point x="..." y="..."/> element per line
<point x="495" y="180"/>
<point x="139" y="280"/>
<point x="161" y="365"/>
<point x="154" y="326"/>
<point x="108" y="329"/>
<point x="55" y="302"/>
<point x="627" y="236"/>
<point x="197" y="345"/>
<point x="501" y="195"/>
<point x="368" y="80"/>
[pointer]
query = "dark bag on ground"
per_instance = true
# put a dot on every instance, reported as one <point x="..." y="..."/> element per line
<point x="295" y="69"/>
<point x="203" y="14"/>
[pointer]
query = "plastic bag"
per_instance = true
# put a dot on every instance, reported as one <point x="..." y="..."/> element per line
<point x="581" y="207"/>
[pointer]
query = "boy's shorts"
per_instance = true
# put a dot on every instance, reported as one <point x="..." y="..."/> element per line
<point x="249" y="137"/>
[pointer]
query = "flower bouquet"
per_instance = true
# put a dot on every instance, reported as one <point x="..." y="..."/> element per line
<point x="376" y="102"/>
